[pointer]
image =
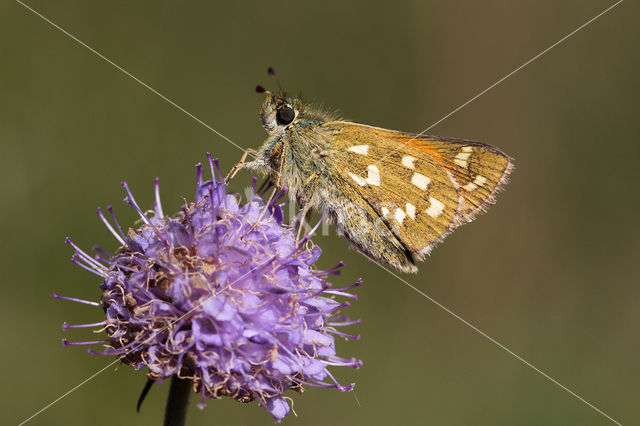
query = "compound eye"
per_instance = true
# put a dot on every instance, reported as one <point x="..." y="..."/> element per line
<point x="285" y="116"/>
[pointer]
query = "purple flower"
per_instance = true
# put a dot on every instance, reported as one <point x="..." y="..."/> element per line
<point x="221" y="294"/>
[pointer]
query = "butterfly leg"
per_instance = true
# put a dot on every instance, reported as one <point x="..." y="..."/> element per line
<point x="303" y="216"/>
<point x="239" y="165"/>
<point x="262" y="213"/>
<point x="308" y="187"/>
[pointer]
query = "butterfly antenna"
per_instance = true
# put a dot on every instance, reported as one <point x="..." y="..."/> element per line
<point x="272" y="73"/>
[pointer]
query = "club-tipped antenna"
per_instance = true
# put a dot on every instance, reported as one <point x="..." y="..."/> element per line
<point x="272" y="73"/>
<point x="261" y="89"/>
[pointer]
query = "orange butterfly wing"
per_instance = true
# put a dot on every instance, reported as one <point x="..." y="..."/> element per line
<point x="422" y="187"/>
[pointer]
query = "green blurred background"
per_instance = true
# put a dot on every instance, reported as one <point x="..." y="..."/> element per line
<point x="550" y="271"/>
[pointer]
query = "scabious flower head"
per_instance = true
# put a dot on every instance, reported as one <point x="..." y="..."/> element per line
<point x="222" y="294"/>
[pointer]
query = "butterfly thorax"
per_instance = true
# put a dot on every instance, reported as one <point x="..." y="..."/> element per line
<point x="295" y="151"/>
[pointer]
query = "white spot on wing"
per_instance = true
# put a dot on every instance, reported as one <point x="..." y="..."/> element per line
<point x="435" y="208"/>
<point x="480" y="180"/>
<point x="411" y="210"/>
<point x="407" y="161"/>
<point x="358" y="179"/>
<point x="359" y="149"/>
<point x="421" y="181"/>
<point x="399" y="215"/>
<point x="374" y="176"/>
<point x="461" y="163"/>
<point x="470" y="186"/>
<point x="463" y="156"/>
<point x="385" y="212"/>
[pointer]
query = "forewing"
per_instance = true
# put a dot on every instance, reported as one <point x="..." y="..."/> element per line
<point x="416" y="198"/>
<point x="422" y="187"/>
<point x="480" y="170"/>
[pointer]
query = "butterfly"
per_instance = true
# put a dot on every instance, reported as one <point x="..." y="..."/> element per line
<point x="393" y="195"/>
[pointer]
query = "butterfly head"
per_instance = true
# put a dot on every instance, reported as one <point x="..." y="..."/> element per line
<point x="278" y="112"/>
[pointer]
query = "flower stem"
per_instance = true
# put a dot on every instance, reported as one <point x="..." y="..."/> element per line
<point x="176" y="411"/>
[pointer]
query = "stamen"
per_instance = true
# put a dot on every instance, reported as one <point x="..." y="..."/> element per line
<point x="83" y="266"/>
<point x="94" y="342"/>
<point x="340" y="306"/>
<point x="338" y="385"/>
<point x="356" y="284"/>
<point x="280" y="194"/>
<point x="342" y="293"/>
<point x="213" y="209"/>
<point x="101" y="250"/>
<point x="126" y="268"/>
<point x="324" y="288"/>
<point x="109" y="227"/>
<point x="267" y="188"/>
<point x="333" y="271"/>
<point x="158" y="206"/>
<point x="132" y="202"/>
<point x="210" y="158"/>
<point x="73" y="299"/>
<point x="101" y="259"/>
<point x="340" y="333"/>
<point x="317" y="384"/>
<point x="344" y="323"/>
<point x="110" y="208"/>
<point x="66" y="326"/>
<point x="198" y="180"/>
<point x="202" y="405"/>
<point x="317" y="224"/>
<point x="340" y="362"/>
<point x="115" y="263"/>
<point x="108" y="351"/>
<point x="303" y="240"/>
<point x="90" y="261"/>
<point x="117" y="351"/>
<point x="217" y="164"/>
